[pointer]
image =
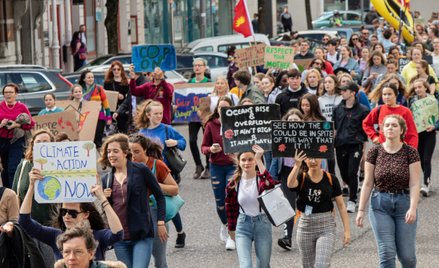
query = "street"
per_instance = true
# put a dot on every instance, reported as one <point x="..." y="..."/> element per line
<point x="204" y="248"/>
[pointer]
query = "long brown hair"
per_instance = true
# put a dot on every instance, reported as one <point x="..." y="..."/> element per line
<point x="29" y="152"/>
<point x="109" y="76"/>
<point x="122" y="139"/>
<point x="215" y="114"/>
<point x="142" y="120"/>
<point x="151" y="148"/>
<point x="315" y="113"/>
<point x="376" y="93"/>
<point x="94" y="217"/>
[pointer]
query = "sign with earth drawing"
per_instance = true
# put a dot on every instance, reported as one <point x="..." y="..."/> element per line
<point x="69" y="170"/>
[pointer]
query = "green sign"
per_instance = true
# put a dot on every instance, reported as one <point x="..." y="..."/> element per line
<point x="425" y="112"/>
<point x="278" y="57"/>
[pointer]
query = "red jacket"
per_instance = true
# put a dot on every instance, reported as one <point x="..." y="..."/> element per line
<point x="164" y="96"/>
<point x="265" y="182"/>
<point x="212" y="134"/>
<point x="411" y="137"/>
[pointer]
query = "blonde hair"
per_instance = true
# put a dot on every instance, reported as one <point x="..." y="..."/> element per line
<point x="142" y="119"/>
<point x="376" y="93"/>
<point x="315" y="71"/>
<point x="215" y="91"/>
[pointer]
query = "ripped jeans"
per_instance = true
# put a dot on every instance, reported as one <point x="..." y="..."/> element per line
<point x="220" y="177"/>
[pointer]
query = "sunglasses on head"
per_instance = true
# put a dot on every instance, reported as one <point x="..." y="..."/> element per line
<point x="71" y="212"/>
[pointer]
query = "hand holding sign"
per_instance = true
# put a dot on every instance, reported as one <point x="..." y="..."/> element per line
<point x="259" y="152"/>
<point x="299" y="157"/>
<point x="35" y="174"/>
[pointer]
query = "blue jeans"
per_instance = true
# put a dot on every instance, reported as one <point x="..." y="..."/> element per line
<point x="394" y="236"/>
<point x="135" y="254"/>
<point x="257" y="229"/>
<point x="220" y="176"/>
<point x="159" y="247"/>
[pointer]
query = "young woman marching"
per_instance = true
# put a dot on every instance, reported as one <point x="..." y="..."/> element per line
<point x="244" y="213"/>
<point x="316" y="232"/>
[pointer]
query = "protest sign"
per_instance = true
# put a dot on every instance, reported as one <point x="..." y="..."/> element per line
<point x="244" y="126"/>
<point x="187" y="99"/>
<point x="58" y="122"/>
<point x="402" y="62"/>
<point x="425" y="113"/>
<point x="250" y="56"/>
<point x="147" y="57"/>
<point x="69" y="171"/>
<point x="87" y="117"/>
<point x="316" y="139"/>
<point x="278" y="57"/>
<point x="113" y="98"/>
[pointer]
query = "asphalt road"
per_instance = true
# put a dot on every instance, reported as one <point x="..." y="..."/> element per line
<point x="205" y="249"/>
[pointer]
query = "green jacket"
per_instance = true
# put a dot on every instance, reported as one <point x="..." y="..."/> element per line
<point x="42" y="213"/>
<point x="254" y="94"/>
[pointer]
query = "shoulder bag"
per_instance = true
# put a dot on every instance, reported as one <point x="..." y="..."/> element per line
<point x="175" y="160"/>
<point x="277" y="208"/>
<point x="23" y="165"/>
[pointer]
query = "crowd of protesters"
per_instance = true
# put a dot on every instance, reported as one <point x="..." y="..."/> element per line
<point x="357" y="84"/>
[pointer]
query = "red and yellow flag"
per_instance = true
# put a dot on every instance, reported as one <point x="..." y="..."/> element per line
<point x="241" y="20"/>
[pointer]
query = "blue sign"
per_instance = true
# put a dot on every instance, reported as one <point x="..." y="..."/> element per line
<point x="147" y="57"/>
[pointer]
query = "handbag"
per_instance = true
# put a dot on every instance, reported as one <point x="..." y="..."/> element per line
<point x="19" y="180"/>
<point x="277" y="208"/>
<point x="173" y="203"/>
<point x="82" y="56"/>
<point x="176" y="162"/>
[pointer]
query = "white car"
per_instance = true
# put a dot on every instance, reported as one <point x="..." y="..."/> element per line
<point x="223" y="42"/>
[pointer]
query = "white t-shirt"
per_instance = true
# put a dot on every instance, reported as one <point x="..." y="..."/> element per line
<point x="247" y="197"/>
<point x="435" y="64"/>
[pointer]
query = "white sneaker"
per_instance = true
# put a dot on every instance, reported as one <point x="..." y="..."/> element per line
<point x="425" y="190"/>
<point x="351" y="207"/>
<point x="230" y="244"/>
<point x="224" y="232"/>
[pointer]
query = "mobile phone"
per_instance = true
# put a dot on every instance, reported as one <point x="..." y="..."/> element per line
<point x="216" y="145"/>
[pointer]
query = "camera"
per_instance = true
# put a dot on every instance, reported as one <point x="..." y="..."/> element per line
<point x="8" y="124"/>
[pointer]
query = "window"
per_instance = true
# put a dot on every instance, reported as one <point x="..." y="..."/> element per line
<point x="32" y="82"/>
<point x="204" y="49"/>
<point x="352" y="16"/>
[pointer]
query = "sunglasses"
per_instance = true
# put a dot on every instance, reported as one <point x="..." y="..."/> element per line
<point x="71" y="212"/>
<point x="116" y="69"/>
<point x="354" y="39"/>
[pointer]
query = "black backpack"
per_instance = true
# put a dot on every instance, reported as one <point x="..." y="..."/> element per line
<point x="2" y="190"/>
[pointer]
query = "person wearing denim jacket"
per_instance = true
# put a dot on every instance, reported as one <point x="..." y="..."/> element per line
<point x="244" y="214"/>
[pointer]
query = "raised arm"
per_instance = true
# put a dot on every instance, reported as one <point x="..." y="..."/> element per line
<point x="299" y="157"/>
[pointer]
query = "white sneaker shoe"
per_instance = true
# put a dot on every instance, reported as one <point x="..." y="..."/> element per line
<point x="230" y="244"/>
<point x="224" y="233"/>
<point x="351" y="207"/>
<point x="425" y="190"/>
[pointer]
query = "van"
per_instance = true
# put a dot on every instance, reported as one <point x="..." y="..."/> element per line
<point x="222" y="43"/>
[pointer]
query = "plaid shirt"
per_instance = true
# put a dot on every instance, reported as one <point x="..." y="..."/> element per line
<point x="265" y="182"/>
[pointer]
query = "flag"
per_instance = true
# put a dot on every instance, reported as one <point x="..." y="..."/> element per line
<point x="241" y="20"/>
<point x="405" y="3"/>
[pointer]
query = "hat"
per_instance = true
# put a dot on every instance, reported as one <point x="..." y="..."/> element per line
<point x="351" y="86"/>
<point x="341" y="69"/>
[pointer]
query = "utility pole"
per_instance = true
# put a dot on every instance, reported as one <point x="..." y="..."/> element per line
<point x="55" y="43"/>
<point x="203" y="18"/>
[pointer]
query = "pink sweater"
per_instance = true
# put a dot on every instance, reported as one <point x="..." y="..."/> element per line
<point x="11" y="114"/>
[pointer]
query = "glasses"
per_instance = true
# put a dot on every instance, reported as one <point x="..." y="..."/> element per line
<point x="116" y="69"/>
<point x="71" y="212"/>
<point x="365" y="33"/>
<point x="354" y="39"/>
<point x="198" y="65"/>
<point x="76" y="252"/>
<point x="317" y="63"/>
<point x="8" y="92"/>
<point x="325" y="39"/>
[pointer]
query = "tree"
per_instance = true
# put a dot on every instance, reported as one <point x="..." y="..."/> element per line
<point x="88" y="146"/>
<point x="261" y="16"/>
<point x="111" y="26"/>
<point x="41" y="161"/>
<point x="308" y="14"/>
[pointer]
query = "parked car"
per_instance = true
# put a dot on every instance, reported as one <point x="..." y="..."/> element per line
<point x="124" y="58"/>
<point x="223" y="42"/>
<point x="217" y="64"/>
<point x="348" y="18"/>
<point x="311" y="35"/>
<point x="34" y="82"/>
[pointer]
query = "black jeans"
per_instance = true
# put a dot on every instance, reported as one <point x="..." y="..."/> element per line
<point x="194" y="128"/>
<point x="99" y="135"/>
<point x="426" y="145"/>
<point x="348" y="160"/>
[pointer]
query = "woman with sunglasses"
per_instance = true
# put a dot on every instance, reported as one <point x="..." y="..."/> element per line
<point x="69" y="216"/>
<point x="117" y="80"/>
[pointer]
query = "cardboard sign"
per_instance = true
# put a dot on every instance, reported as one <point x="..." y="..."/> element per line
<point x="402" y="62"/>
<point x="69" y="170"/>
<point x="58" y="122"/>
<point x="87" y="118"/>
<point x="278" y="57"/>
<point x="316" y="139"/>
<point x="187" y="98"/>
<point x="250" y="56"/>
<point x="425" y="113"/>
<point x="147" y="57"/>
<point x="244" y="126"/>
<point x="113" y="98"/>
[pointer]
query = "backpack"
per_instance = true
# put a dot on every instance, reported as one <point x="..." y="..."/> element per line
<point x="2" y="190"/>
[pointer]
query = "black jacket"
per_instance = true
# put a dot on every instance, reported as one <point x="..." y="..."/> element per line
<point x="19" y="251"/>
<point x="140" y="180"/>
<point x="288" y="99"/>
<point x="348" y="123"/>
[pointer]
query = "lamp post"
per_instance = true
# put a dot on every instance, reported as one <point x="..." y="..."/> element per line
<point x="55" y="42"/>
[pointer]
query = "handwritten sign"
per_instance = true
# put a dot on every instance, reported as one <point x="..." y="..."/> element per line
<point x="147" y="57"/>
<point x="425" y="113"/>
<point x="187" y="98"/>
<point x="58" y="122"/>
<point x="250" y="56"/>
<point x="316" y="139"/>
<point x="402" y="62"/>
<point x="244" y="126"/>
<point x="69" y="170"/>
<point x="278" y="57"/>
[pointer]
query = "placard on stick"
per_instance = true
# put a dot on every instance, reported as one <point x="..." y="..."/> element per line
<point x="244" y="126"/>
<point x="69" y="170"/>
<point x="279" y="57"/>
<point x="147" y="57"/>
<point x="250" y="56"/>
<point x="316" y="139"/>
